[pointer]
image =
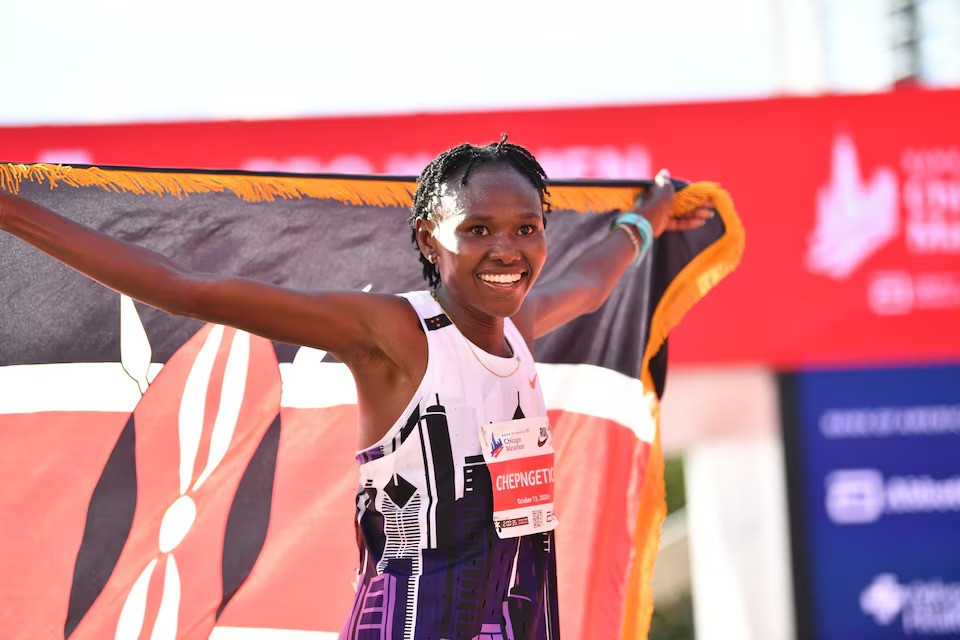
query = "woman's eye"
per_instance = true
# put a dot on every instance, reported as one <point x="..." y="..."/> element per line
<point x="527" y="229"/>
<point x="477" y="231"/>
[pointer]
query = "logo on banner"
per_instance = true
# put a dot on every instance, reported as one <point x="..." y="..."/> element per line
<point x="861" y="496"/>
<point x="857" y="215"/>
<point x="855" y="496"/>
<point x="925" y="607"/>
<point x="69" y="155"/>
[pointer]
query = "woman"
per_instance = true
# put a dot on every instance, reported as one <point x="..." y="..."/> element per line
<point x="446" y="385"/>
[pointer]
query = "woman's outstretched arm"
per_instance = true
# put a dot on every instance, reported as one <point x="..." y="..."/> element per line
<point x="342" y="323"/>
<point x="587" y="283"/>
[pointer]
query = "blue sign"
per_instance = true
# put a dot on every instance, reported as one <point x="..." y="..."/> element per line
<point x="874" y="463"/>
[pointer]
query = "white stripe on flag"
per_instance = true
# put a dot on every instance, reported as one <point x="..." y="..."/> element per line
<point x="104" y="386"/>
<point x="316" y="385"/>
<point x="72" y="386"/>
<point x="598" y="391"/>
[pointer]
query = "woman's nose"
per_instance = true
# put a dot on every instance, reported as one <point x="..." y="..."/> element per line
<point x="505" y="250"/>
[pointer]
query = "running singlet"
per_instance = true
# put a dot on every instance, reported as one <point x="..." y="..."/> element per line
<point x="433" y="565"/>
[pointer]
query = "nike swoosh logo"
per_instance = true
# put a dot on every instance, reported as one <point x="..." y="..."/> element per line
<point x="533" y="381"/>
<point x="541" y="442"/>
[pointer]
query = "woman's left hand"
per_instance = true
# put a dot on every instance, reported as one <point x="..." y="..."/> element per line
<point x="656" y="205"/>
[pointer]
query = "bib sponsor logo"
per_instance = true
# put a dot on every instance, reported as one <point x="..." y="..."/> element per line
<point x="496" y="446"/>
<point x="544" y="436"/>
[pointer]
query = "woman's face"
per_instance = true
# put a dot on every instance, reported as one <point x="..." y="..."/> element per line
<point x="488" y="238"/>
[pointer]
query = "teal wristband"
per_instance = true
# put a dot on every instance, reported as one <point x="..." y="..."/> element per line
<point x="642" y="227"/>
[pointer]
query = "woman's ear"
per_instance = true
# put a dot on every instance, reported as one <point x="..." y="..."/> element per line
<point x="426" y="239"/>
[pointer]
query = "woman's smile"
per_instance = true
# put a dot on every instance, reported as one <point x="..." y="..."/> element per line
<point x="501" y="279"/>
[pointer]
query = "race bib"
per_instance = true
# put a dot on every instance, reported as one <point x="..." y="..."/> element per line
<point x="519" y="455"/>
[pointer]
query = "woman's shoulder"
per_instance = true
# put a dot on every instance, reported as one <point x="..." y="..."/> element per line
<point x="398" y="312"/>
<point x="421" y="300"/>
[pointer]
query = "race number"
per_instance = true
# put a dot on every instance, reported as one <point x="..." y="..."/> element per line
<point x="519" y="455"/>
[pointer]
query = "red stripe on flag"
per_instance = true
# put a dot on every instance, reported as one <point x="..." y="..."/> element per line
<point x="304" y="577"/>
<point x="48" y="470"/>
<point x="599" y="476"/>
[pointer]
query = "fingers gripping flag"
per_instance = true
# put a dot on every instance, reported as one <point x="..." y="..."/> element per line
<point x="159" y="484"/>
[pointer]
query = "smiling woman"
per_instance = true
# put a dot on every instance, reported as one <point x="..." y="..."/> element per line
<point x="435" y="198"/>
<point x="449" y="399"/>
<point x="486" y="241"/>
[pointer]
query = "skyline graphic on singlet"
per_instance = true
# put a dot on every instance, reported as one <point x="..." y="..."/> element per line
<point x="431" y="563"/>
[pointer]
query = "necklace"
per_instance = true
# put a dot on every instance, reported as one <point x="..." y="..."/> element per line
<point x="470" y="345"/>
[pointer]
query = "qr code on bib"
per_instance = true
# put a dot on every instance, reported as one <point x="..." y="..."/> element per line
<point x="537" y="518"/>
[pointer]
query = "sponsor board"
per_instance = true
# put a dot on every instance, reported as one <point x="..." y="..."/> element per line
<point x="873" y="460"/>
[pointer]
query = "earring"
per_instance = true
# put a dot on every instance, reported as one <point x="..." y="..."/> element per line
<point x="432" y="258"/>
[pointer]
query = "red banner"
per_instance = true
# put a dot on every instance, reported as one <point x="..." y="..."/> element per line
<point x="851" y="204"/>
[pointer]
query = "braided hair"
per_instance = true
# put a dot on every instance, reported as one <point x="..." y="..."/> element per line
<point x="464" y="158"/>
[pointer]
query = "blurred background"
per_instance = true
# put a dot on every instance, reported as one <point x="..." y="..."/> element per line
<point x="812" y="411"/>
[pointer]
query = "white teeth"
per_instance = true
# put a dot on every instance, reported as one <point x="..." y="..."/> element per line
<point x="506" y="278"/>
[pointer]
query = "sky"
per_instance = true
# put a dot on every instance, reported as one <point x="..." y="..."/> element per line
<point x="121" y="61"/>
